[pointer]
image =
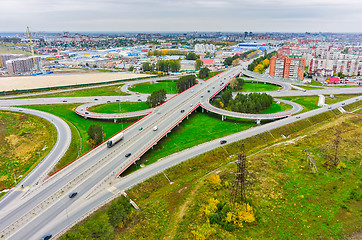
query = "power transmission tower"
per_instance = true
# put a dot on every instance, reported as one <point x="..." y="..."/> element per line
<point x="238" y="192"/>
<point x="335" y="147"/>
<point x="311" y="161"/>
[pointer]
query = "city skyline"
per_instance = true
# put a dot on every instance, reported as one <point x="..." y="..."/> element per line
<point x="160" y="16"/>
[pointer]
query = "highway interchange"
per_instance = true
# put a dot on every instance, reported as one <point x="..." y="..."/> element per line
<point x="94" y="176"/>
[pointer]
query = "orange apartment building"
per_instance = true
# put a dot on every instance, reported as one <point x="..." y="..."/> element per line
<point x="287" y="67"/>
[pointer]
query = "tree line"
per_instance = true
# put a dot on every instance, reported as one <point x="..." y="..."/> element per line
<point x="168" y="65"/>
<point x="166" y="52"/>
<point x="185" y="82"/>
<point x="259" y="61"/>
<point x="244" y="103"/>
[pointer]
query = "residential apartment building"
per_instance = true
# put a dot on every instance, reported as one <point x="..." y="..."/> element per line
<point x="287" y="67"/>
<point x="6" y="57"/>
<point x="322" y="67"/>
<point x="23" y="65"/>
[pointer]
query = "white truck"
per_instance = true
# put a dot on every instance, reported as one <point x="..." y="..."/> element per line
<point x="115" y="139"/>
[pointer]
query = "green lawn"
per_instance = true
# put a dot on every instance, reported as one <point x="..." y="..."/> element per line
<point x="339" y="98"/>
<point x="315" y="83"/>
<point x="169" y="86"/>
<point x="114" y="107"/>
<point x="80" y="127"/>
<point x="199" y="128"/>
<point x="308" y="102"/>
<point x="257" y="86"/>
<point x="113" y="90"/>
<point x="274" y="108"/>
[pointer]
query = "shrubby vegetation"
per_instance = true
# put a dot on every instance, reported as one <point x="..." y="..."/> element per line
<point x="156" y="98"/>
<point x="103" y="224"/>
<point x="185" y="82"/>
<point x="237" y="84"/>
<point x="260" y="64"/>
<point x="192" y="56"/>
<point x="204" y="73"/>
<point x="244" y="103"/>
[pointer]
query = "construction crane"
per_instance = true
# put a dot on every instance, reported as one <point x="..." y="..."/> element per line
<point x="31" y="47"/>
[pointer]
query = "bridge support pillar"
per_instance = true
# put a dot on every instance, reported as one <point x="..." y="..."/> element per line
<point x="187" y="117"/>
<point x="202" y="109"/>
<point x="258" y="121"/>
<point x="114" y="120"/>
<point x="223" y="118"/>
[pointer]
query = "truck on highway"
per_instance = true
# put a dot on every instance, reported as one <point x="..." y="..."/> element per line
<point x="115" y="139"/>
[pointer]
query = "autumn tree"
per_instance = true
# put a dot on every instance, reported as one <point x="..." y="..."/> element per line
<point x="198" y="63"/>
<point x="95" y="134"/>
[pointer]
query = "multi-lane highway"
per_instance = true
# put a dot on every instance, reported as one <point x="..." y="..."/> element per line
<point x="102" y="164"/>
<point x="48" y="209"/>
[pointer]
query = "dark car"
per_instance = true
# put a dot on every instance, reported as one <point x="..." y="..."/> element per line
<point x="208" y="90"/>
<point x="182" y="110"/>
<point x="127" y="155"/>
<point x="223" y="141"/>
<point x="139" y="100"/>
<point x="46" y="237"/>
<point x="117" y="100"/>
<point x="108" y="101"/>
<point x="96" y="99"/>
<point x="86" y="112"/>
<point x="64" y="100"/>
<point x="73" y="194"/>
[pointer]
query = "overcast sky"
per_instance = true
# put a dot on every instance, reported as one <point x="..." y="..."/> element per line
<point x="181" y="15"/>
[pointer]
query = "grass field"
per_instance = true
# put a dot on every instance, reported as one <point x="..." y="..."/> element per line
<point x="274" y="108"/>
<point x="113" y="90"/>
<point x="169" y="86"/>
<point x="199" y="128"/>
<point x="339" y="98"/>
<point x="315" y="83"/>
<point x="308" y="102"/>
<point x="80" y="126"/>
<point x="288" y="200"/>
<point x="114" y="107"/>
<point x="257" y="86"/>
<point x="25" y="140"/>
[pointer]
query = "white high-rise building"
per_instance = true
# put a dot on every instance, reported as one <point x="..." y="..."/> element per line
<point x="204" y="48"/>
